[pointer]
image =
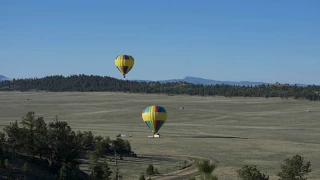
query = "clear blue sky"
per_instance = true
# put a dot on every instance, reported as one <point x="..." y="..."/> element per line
<point x="252" y="40"/>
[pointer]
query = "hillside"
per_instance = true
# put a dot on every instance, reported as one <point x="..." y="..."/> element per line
<point x="98" y="83"/>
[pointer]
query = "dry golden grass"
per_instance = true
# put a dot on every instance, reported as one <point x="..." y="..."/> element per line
<point x="233" y="131"/>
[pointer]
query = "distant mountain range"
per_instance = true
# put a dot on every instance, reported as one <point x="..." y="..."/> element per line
<point x="3" y="78"/>
<point x="197" y="80"/>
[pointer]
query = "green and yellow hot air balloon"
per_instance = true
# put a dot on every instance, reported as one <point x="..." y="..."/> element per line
<point x="124" y="63"/>
<point x="154" y="117"/>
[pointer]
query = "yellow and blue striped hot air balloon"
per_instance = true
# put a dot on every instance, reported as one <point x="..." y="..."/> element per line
<point x="124" y="63"/>
<point x="154" y="117"/>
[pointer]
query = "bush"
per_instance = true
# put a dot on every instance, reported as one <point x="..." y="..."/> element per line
<point x="250" y="172"/>
<point x="150" y="170"/>
<point x="156" y="171"/>
<point x="206" y="167"/>
<point x="25" y="167"/>
<point x="6" y="163"/>
<point x="141" y="177"/>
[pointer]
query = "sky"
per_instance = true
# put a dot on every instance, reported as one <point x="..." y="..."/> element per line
<point x="247" y="40"/>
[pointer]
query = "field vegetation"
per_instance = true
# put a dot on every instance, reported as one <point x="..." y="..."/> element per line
<point x="230" y="131"/>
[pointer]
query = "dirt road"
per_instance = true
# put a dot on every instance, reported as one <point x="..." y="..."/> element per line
<point x="181" y="174"/>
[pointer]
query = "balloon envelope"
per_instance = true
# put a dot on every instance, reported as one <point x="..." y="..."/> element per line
<point x="124" y="63"/>
<point x="154" y="117"/>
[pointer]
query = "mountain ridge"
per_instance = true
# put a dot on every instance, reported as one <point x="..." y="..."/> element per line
<point x="3" y="78"/>
<point x="198" y="80"/>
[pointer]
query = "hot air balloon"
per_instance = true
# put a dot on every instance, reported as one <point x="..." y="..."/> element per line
<point x="124" y="63"/>
<point x="154" y="117"/>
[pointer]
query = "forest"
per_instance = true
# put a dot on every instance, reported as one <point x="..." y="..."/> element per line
<point x="54" y="147"/>
<point x="91" y="83"/>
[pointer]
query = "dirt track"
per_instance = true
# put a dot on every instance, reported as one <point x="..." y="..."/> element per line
<point x="181" y="174"/>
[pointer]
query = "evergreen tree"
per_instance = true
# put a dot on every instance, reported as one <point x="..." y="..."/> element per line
<point x="294" y="169"/>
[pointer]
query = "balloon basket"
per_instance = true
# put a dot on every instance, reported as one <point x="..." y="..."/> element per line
<point x="154" y="136"/>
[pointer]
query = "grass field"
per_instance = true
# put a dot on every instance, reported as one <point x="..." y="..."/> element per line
<point x="232" y="131"/>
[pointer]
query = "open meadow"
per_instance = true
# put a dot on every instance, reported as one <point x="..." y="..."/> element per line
<point x="231" y="131"/>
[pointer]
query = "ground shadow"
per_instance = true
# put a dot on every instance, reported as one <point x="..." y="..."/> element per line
<point x="208" y="137"/>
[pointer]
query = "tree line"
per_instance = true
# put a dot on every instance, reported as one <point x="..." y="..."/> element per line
<point x="60" y="146"/>
<point x="90" y="83"/>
